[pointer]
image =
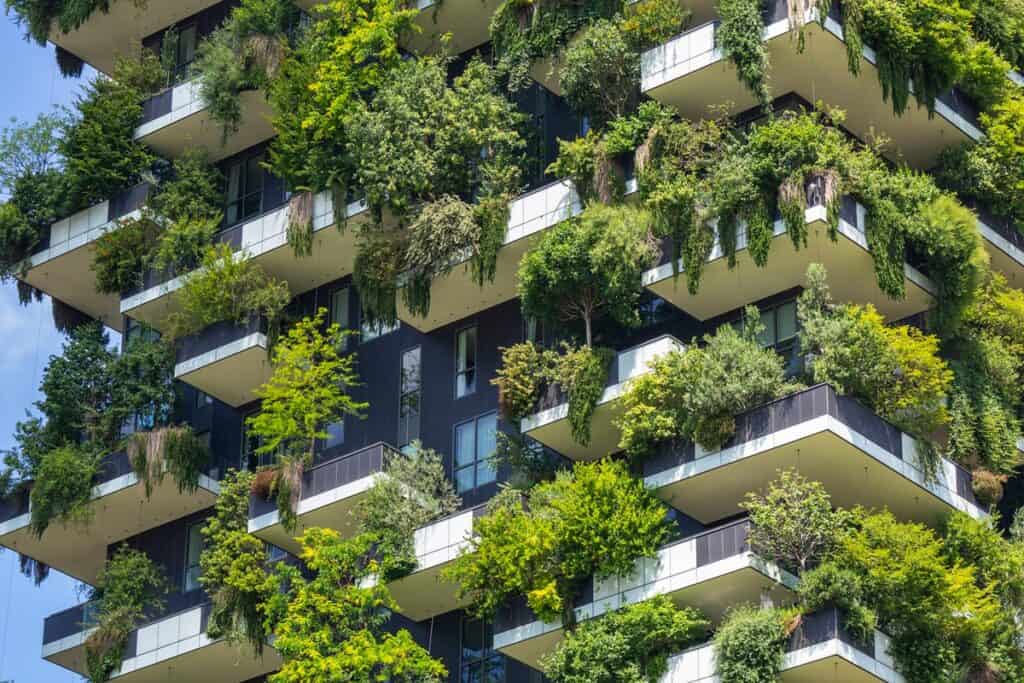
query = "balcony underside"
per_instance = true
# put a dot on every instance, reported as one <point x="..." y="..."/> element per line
<point x="1004" y="256"/>
<point x="332" y="509"/>
<point x="193" y="126"/>
<point x="554" y="431"/>
<point x="264" y="241"/>
<point x="831" y="668"/>
<point x="68" y="277"/>
<point x="849" y="264"/>
<point x="230" y="373"/>
<point x="119" y="510"/>
<point x="424" y="594"/>
<point x="712" y="596"/>
<point x="203" y="660"/>
<point x="819" y="73"/>
<point x="854" y="470"/>
<point x="119" y="32"/>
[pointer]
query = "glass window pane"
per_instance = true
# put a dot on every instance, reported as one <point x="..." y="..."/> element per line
<point x="464" y="444"/>
<point x="232" y="216"/>
<point x="253" y="174"/>
<point x="252" y="205"/>
<point x="767" y="338"/>
<point x="472" y="639"/>
<point x="335" y="434"/>
<point x="486" y="436"/>
<point x="186" y="45"/>
<point x="494" y="670"/>
<point x="464" y="479"/>
<point x="234" y="182"/>
<point x="339" y="308"/>
<point x="485" y="472"/>
<point x="786" y="320"/>
<point x="411" y="370"/>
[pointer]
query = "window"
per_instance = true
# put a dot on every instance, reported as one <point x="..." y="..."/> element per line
<point x="335" y="434"/>
<point x="475" y="441"/>
<point x="339" y="308"/>
<point x="780" y="330"/>
<point x="203" y="400"/>
<point x="368" y="332"/>
<point x="193" y="549"/>
<point x="479" y="663"/>
<point x="465" y="362"/>
<point x="180" y="51"/>
<point x="245" y="189"/>
<point x="411" y="382"/>
<point x="251" y="460"/>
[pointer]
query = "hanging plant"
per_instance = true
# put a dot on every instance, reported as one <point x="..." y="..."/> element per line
<point x="741" y="38"/>
<point x="168" y="450"/>
<point x="300" y="223"/>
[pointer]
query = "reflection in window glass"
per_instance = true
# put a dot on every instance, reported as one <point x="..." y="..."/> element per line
<point x="193" y="549"/>
<point x="479" y="663"/>
<point x="465" y="362"/>
<point x="409" y="398"/>
<point x="474" y="444"/>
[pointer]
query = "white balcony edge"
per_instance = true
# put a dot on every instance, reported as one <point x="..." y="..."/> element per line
<point x="705" y="461"/>
<point x="653" y="77"/>
<point x="249" y="342"/>
<point x="1001" y="243"/>
<point x="86" y="234"/>
<point x="645" y="589"/>
<point x="632" y="363"/>
<point x="107" y="488"/>
<point x="442" y="541"/>
<point x="307" y="505"/>
<point x="186" y="101"/>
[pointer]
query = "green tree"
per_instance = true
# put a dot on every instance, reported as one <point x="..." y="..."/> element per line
<point x="594" y="520"/>
<point x="750" y="645"/>
<point x="601" y="73"/>
<point x="695" y="394"/>
<point x="630" y="645"/>
<point x="331" y="627"/>
<point x="793" y="523"/>
<point x="588" y="266"/>
<point x="30" y="149"/>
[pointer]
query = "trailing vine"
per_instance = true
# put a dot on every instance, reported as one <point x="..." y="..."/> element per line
<point x="741" y="38"/>
<point x="168" y="450"/>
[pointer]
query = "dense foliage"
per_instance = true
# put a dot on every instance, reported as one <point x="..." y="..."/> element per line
<point x="588" y="266"/>
<point x="630" y="645"/>
<point x="896" y="370"/>
<point x="227" y="286"/>
<point x="130" y="586"/>
<point x="307" y="390"/>
<point x="168" y="450"/>
<point x="750" y="644"/>
<point x="741" y="38"/>
<point x="233" y="567"/>
<point x="331" y="626"/>
<point x="595" y="520"/>
<point x="695" y="393"/>
<point x="413" y="492"/>
<point x="243" y="54"/>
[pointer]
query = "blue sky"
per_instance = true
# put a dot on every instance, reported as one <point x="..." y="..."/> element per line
<point x="29" y="85"/>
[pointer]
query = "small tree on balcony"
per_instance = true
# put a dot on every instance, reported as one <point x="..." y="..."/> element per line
<point x="308" y="390"/>
<point x="332" y="627"/>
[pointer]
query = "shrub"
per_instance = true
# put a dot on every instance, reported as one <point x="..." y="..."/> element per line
<point x="227" y="287"/>
<point x="129" y="586"/>
<point x="648" y="24"/>
<point x="588" y="266"/>
<point x="183" y="244"/>
<point x="630" y="645"/>
<point x="62" y="489"/>
<point x="750" y="644"/>
<point x="829" y="585"/>
<point x="987" y="487"/>
<point x="595" y="520"/>
<point x="522" y="374"/>
<point x="195" y="190"/>
<point x="122" y="255"/>
<point x="694" y="394"/>
<point x="18" y="240"/>
<point x="793" y="523"/>
<point x="895" y="370"/>
<point x="413" y="492"/>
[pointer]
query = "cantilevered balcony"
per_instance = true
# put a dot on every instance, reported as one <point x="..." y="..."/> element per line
<point x="1004" y="244"/>
<point x="690" y="72"/>
<point x="177" y="118"/>
<point x="264" y="240"/>
<point x="330" y="491"/>
<point x="119" y="31"/>
<point x="550" y="424"/>
<point x="226" y="360"/>
<point x="171" y="646"/>
<point x="62" y="265"/>
<point x="423" y="593"/>
<point x="119" y="510"/>
<point x="711" y="571"/>
<point x="848" y="260"/>
<point x="860" y="458"/>
<point x="456" y="296"/>
<point x="820" y="649"/>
